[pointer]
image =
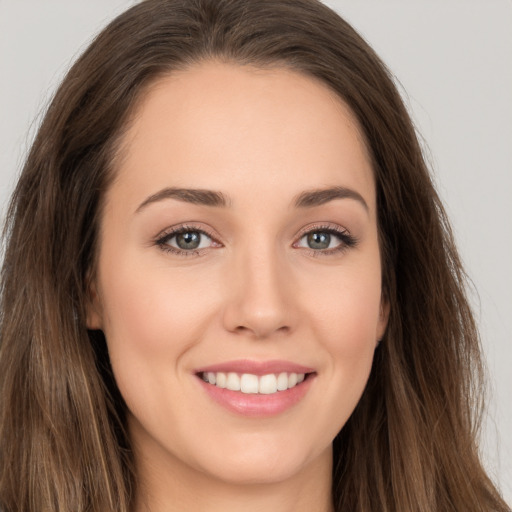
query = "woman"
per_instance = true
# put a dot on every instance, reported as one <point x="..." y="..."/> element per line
<point x="229" y="282"/>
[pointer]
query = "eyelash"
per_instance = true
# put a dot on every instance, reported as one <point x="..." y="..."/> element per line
<point x="347" y="240"/>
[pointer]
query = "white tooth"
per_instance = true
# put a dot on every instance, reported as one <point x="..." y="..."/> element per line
<point x="292" y="380"/>
<point x="221" y="380"/>
<point x="233" y="382"/>
<point x="249" y="383"/>
<point x="282" y="381"/>
<point x="268" y="384"/>
<point x="252" y="384"/>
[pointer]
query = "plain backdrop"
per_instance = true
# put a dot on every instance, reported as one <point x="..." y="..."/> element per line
<point x="453" y="63"/>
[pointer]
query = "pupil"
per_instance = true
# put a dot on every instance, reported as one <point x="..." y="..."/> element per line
<point x="319" y="240"/>
<point x="188" y="240"/>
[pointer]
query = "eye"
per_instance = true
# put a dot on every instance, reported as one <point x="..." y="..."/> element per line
<point x="328" y="240"/>
<point x="189" y="240"/>
<point x="185" y="240"/>
<point x="319" y="240"/>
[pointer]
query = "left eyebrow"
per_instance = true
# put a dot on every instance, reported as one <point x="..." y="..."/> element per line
<point x="187" y="195"/>
<point x="318" y="197"/>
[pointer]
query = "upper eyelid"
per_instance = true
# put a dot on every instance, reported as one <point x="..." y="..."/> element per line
<point x="335" y="228"/>
<point x="183" y="228"/>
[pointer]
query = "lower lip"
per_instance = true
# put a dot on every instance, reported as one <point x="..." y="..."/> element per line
<point x="258" y="405"/>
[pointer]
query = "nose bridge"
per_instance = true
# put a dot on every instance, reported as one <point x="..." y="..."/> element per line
<point x="259" y="300"/>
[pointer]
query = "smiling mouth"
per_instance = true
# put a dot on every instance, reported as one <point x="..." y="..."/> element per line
<point x="249" y="383"/>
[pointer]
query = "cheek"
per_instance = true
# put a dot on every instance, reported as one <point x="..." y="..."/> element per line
<point x="152" y="319"/>
<point x="346" y="319"/>
<point x="153" y="316"/>
<point x="346" y="309"/>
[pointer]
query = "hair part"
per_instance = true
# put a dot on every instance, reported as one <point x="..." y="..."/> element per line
<point x="411" y="443"/>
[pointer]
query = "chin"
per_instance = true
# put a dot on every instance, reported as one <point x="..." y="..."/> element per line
<point x="259" y="472"/>
<point x="263" y="466"/>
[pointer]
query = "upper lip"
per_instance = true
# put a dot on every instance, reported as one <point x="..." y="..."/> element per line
<point x="256" y="367"/>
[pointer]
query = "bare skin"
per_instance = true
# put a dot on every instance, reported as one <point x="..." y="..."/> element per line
<point x="260" y="268"/>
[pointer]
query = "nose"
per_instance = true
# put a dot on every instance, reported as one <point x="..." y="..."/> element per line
<point x="260" y="299"/>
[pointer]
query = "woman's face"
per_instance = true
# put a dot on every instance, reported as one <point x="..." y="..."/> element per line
<point x="239" y="245"/>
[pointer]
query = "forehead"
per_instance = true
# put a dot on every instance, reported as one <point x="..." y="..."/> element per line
<point x="219" y="125"/>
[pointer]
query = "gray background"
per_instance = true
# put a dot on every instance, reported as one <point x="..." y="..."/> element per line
<point x="453" y="60"/>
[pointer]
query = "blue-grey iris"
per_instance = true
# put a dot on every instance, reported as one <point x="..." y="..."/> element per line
<point x="319" y="240"/>
<point x="188" y="240"/>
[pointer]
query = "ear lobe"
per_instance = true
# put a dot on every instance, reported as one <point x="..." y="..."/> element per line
<point x="94" y="318"/>
<point x="383" y="319"/>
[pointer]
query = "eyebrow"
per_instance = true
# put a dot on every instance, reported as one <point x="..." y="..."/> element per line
<point x="187" y="195"/>
<point x="306" y="199"/>
<point x="312" y="198"/>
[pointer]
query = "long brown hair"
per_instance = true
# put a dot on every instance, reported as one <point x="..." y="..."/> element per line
<point x="411" y="443"/>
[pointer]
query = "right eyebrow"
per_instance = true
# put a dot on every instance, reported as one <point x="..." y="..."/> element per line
<point x="311" y="198"/>
<point x="188" y="195"/>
